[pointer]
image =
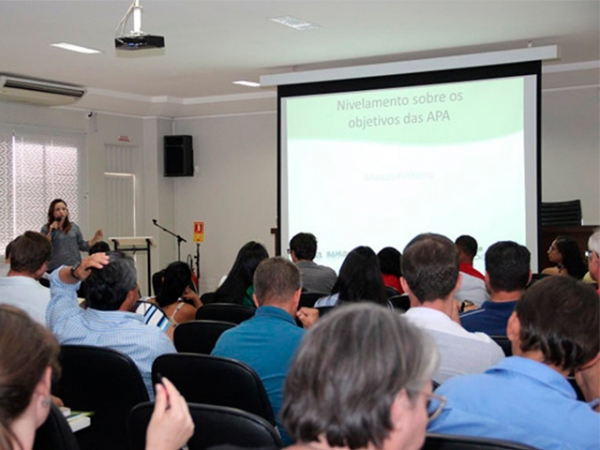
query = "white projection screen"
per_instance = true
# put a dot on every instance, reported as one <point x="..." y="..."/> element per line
<point x="376" y="161"/>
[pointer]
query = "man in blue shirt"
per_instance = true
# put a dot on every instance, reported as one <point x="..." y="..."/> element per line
<point x="267" y="342"/>
<point x="527" y="398"/>
<point x="109" y="320"/>
<point x="507" y="274"/>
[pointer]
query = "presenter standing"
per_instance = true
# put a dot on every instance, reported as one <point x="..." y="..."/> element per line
<point x="67" y="240"/>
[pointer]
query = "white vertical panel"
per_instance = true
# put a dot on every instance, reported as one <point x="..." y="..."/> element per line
<point x="120" y="203"/>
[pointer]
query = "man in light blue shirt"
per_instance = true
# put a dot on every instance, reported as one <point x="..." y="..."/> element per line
<point x="526" y="398"/>
<point x="267" y="342"/>
<point x="109" y="320"/>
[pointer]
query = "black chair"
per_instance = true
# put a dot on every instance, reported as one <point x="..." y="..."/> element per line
<point x="207" y="297"/>
<point x="449" y="442"/>
<point x="390" y="292"/>
<point x="215" y="381"/>
<point x="55" y="433"/>
<point x="226" y="312"/>
<point x="504" y="343"/>
<point x="199" y="336"/>
<point x="103" y="381"/>
<point x="400" y="302"/>
<point x="214" y="425"/>
<point x="561" y="213"/>
<point x="308" y="299"/>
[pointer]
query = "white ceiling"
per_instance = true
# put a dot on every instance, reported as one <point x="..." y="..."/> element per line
<point x="210" y="44"/>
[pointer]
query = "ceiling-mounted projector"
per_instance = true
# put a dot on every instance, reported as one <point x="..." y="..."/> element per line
<point x="139" y="42"/>
<point x="137" y="39"/>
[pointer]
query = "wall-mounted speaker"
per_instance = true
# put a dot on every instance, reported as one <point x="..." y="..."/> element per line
<point x="179" y="156"/>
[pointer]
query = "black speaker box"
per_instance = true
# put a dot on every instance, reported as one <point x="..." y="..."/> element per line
<point x="179" y="156"/>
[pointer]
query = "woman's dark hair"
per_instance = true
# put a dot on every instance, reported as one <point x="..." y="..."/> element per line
<point x="347" y="372"/>
<point x="28" y="349"/>
<point x="389" y="261"/>
<point x="360" y="278"/>
<point x="176" y="277"/>
<point x="67" y="223"/>
<point x="240" y="276"/>
<point x="572" y="258"/>
<point x="99" y="247"/>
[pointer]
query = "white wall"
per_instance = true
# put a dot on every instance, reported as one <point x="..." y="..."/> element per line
<point x="234" y="191"/>
<point x="571" y="148"/>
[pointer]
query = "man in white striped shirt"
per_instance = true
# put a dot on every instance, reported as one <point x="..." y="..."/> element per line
<point x="109" y="320"/>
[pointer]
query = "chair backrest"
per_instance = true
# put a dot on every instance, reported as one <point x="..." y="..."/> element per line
<point x="561" y="213"/>
<point x="55" y="433"/>
<point x="308" y="299"/>
<point x="504" y="343"/>
<point x="199" y="336"/>
<point x="390" y="292"/>
<point x="213" y="426"/>
<point x="400" y="302"/>
<point x="106" y="382"/>
<point x="207" y="297"/>
<point x="449" y="442"/>
<point x="215" y="381"/>
<point x="227" y="312"/>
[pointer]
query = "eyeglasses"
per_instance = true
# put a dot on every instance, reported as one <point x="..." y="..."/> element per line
<point x="589" y="254"/>
<point x="551" y="249"/>
<point x="435" y="405"/>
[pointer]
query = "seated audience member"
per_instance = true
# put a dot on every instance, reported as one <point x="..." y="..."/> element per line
<point x="109" y="320"/>
<point x="359" y="279"/>
<point x="472" y="287"/>
<point x="237" y="287"/>
<point x="175" y="290"/>
<point x="29" y="255"/>
<point x="566" y="254"/>
<point x="5" y="266"/>
<point x="593" y="257"/>
<point x="526" y="398"/>
<point x="389" y="262"/>
<point x="99" y="247"/>
<point x="507" y="274"/>
<point x="267" y="342"/>
<point x="315" y="278"/>
<point x="28" y="362"/>
<point x="360" y="380"/>
<point x="431" y="277"/>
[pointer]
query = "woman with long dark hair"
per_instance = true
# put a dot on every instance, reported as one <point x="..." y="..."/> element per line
<point x="567" y="256"/>
<point x="238" y="287"/>
<point x="390" y="263"/>
<point x="359" y="280"/>
<point x="67" y="240"/>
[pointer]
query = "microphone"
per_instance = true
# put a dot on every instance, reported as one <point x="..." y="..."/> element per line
<point x="58" y="219"/>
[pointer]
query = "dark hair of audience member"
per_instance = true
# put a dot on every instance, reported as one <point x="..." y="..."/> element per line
<point x="304" y="246"/>
<point x="176" y="277"/>
<point x="29" y="252"/>
<point x="8" y="250"/>
<point x="430" y="266"/>
<point x="468" y="244"/>
<point x="99" y="247"/>
<point x="27" y="350"/>
<point x="389" y="261"/>
<point x="276" y="280"/>
<point x="360" y="278"/>
<point x="66" y="222"/>
<point x="240" y="276"/>
<point x="561" y="317"/>
<point x="347" y="373"/>
<point x="107" y="288"/>
<point x="157" y="280"/>
<point x="572" y="258"/>
<point x="507" y="264"/>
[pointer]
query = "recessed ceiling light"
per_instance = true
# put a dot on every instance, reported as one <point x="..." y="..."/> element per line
<point x="295" y="23"/>
<point x="247" y="83"/>
<point x="75" y="48"/>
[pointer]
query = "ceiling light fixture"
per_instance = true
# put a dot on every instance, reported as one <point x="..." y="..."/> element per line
<point x="136" y="39"/>
<point x="75" y="48"/>
<point x="295" y="23"/>
<point x="247" y="83"/>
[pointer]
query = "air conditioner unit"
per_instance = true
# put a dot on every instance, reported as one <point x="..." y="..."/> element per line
<point x="14" y="89"/>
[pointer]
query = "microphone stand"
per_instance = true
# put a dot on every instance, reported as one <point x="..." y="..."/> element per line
<point x="179" y="238"/>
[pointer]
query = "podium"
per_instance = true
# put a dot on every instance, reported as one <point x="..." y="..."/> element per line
<point x="136" y="244"/>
